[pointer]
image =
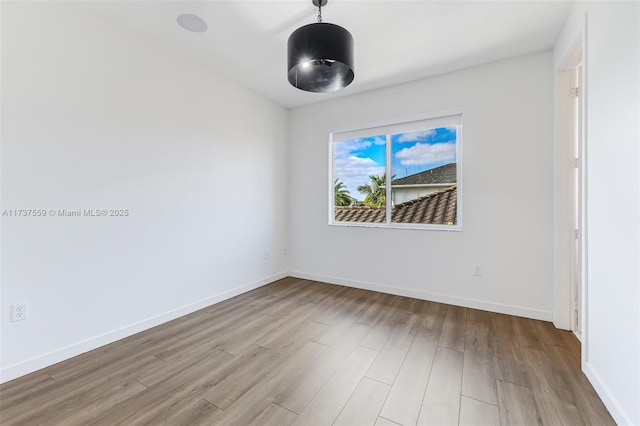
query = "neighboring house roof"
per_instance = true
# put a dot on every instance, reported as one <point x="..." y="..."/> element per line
<point x="436" y="208"/>
<point x="442" y="174"/>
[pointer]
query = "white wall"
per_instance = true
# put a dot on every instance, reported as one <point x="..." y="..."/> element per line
<point x="400" y="195"/>
<point x="94" y="116"/>
<point x="611" y="353"/>
<point x="506" y="193"/>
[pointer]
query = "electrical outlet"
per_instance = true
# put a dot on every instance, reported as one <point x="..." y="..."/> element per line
<point x="477" y="270"/>
<point x="19" y="312"/>
<point x="266" y="255"/>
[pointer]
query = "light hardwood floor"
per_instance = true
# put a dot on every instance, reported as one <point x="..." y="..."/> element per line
<point x="307" y="353"/>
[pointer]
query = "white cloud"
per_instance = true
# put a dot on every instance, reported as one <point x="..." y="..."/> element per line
<point x="343" y="149"/>
<point x="359" y="162"/>
<point x="421" y="154"/>
<point x="354" y="171"/>
<point x="414" y="136"/>
<point x="346" y="148"/>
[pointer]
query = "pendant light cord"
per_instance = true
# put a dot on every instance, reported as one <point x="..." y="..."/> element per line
<point x="320" y="11"/>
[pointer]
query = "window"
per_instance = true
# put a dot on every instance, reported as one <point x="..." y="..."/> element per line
<point x="402" y="174"/>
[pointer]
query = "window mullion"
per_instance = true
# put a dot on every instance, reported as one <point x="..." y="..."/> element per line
<point x="388" y="180"/>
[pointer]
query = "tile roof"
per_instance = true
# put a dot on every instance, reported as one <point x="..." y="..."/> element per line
<point x="442" y="174"/>
<point x="436" y="208"/>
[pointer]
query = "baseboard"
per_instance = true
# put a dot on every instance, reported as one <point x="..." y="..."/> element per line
<point x="29" y="366"/>
<point x="434" y="297"/>
<point x="620" y="416"/>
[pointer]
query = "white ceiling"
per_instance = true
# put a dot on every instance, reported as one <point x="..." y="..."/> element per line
<point x="395" y="41"/>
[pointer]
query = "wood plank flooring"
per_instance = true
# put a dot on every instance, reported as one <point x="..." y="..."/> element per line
<point x="298" y="352"/>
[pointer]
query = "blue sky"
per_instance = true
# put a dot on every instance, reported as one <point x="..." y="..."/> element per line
<point x="412" y="153"/>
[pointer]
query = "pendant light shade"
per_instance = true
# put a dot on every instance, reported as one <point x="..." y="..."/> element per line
<point x="320" y="56"/>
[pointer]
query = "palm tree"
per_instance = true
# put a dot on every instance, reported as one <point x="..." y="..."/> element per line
<point x="375" y="192"/>
<point x="342" y="196"/>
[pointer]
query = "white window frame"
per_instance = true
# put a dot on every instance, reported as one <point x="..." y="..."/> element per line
<point x="396" y="124"/>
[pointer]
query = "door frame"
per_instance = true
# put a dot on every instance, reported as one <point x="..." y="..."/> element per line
<point x="566" y="257"/>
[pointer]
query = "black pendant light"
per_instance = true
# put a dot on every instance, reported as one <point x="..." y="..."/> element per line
<point x="320" y="56"/>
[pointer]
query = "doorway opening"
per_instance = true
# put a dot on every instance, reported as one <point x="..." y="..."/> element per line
<point x="570" y="302"/>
